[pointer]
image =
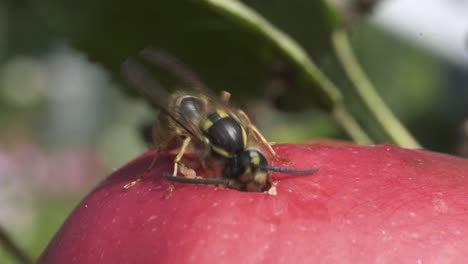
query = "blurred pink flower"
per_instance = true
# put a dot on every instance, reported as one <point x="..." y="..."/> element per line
<point x="63" y="172"/>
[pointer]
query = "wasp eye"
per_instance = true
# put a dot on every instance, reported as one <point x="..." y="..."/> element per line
<point x="256" y="158"/>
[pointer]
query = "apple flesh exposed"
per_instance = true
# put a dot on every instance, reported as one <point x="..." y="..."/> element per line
<point x="367" y="204"/>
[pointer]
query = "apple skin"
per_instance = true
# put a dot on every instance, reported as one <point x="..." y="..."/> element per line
<point x="367" y="204"/>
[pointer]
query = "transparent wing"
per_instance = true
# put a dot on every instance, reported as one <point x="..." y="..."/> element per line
<point x="139" y="77"/>
<point x="169" y="62"/>
<point x="150" y="88"/>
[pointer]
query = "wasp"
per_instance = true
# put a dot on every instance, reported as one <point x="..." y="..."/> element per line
<point x="205" y="121"/>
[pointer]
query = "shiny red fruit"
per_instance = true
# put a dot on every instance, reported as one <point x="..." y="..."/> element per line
<point x="367" y="204"/>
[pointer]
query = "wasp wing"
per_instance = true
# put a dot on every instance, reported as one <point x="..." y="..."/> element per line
<point x="179" y="69"/>
<point x="150" y="88"/>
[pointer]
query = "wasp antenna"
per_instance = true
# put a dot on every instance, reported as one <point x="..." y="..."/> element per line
<point x="166" y="60"/>
<point x="288" y="170"/>
<point x="209" y="181"/>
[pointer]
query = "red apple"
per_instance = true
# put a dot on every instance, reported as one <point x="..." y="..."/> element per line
<point x="367" y="204"/>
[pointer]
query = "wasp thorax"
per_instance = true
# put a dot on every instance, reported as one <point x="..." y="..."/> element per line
<point x="226" y="136"/>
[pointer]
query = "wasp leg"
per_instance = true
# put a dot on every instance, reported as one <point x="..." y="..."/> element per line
<point x="256" y="134"/>
<point x="150" y="167"/>
<point x="181" y="153"/>
<point x="225" y="96"/>
<point x="177" y="159"/>
<point x="160" y="148"/>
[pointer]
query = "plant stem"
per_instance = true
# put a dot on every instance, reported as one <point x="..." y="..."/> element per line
<point x="10" y="246"/>
<point x="350" y="125"/>
<point x="364" y="88"/>
<point x="329" y="92"/>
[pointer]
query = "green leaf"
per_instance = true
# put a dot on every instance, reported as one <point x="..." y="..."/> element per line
<point x="224" y="53"/>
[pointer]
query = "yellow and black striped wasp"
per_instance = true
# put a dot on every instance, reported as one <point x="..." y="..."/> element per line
<point x="205" y="121"/>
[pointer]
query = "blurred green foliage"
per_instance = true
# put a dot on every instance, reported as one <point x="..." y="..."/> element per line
<point x="225" y="54"/>
<point x="415" y="84"/>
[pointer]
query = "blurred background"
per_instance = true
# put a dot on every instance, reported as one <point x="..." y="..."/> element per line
<point x="67" y="120"/>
